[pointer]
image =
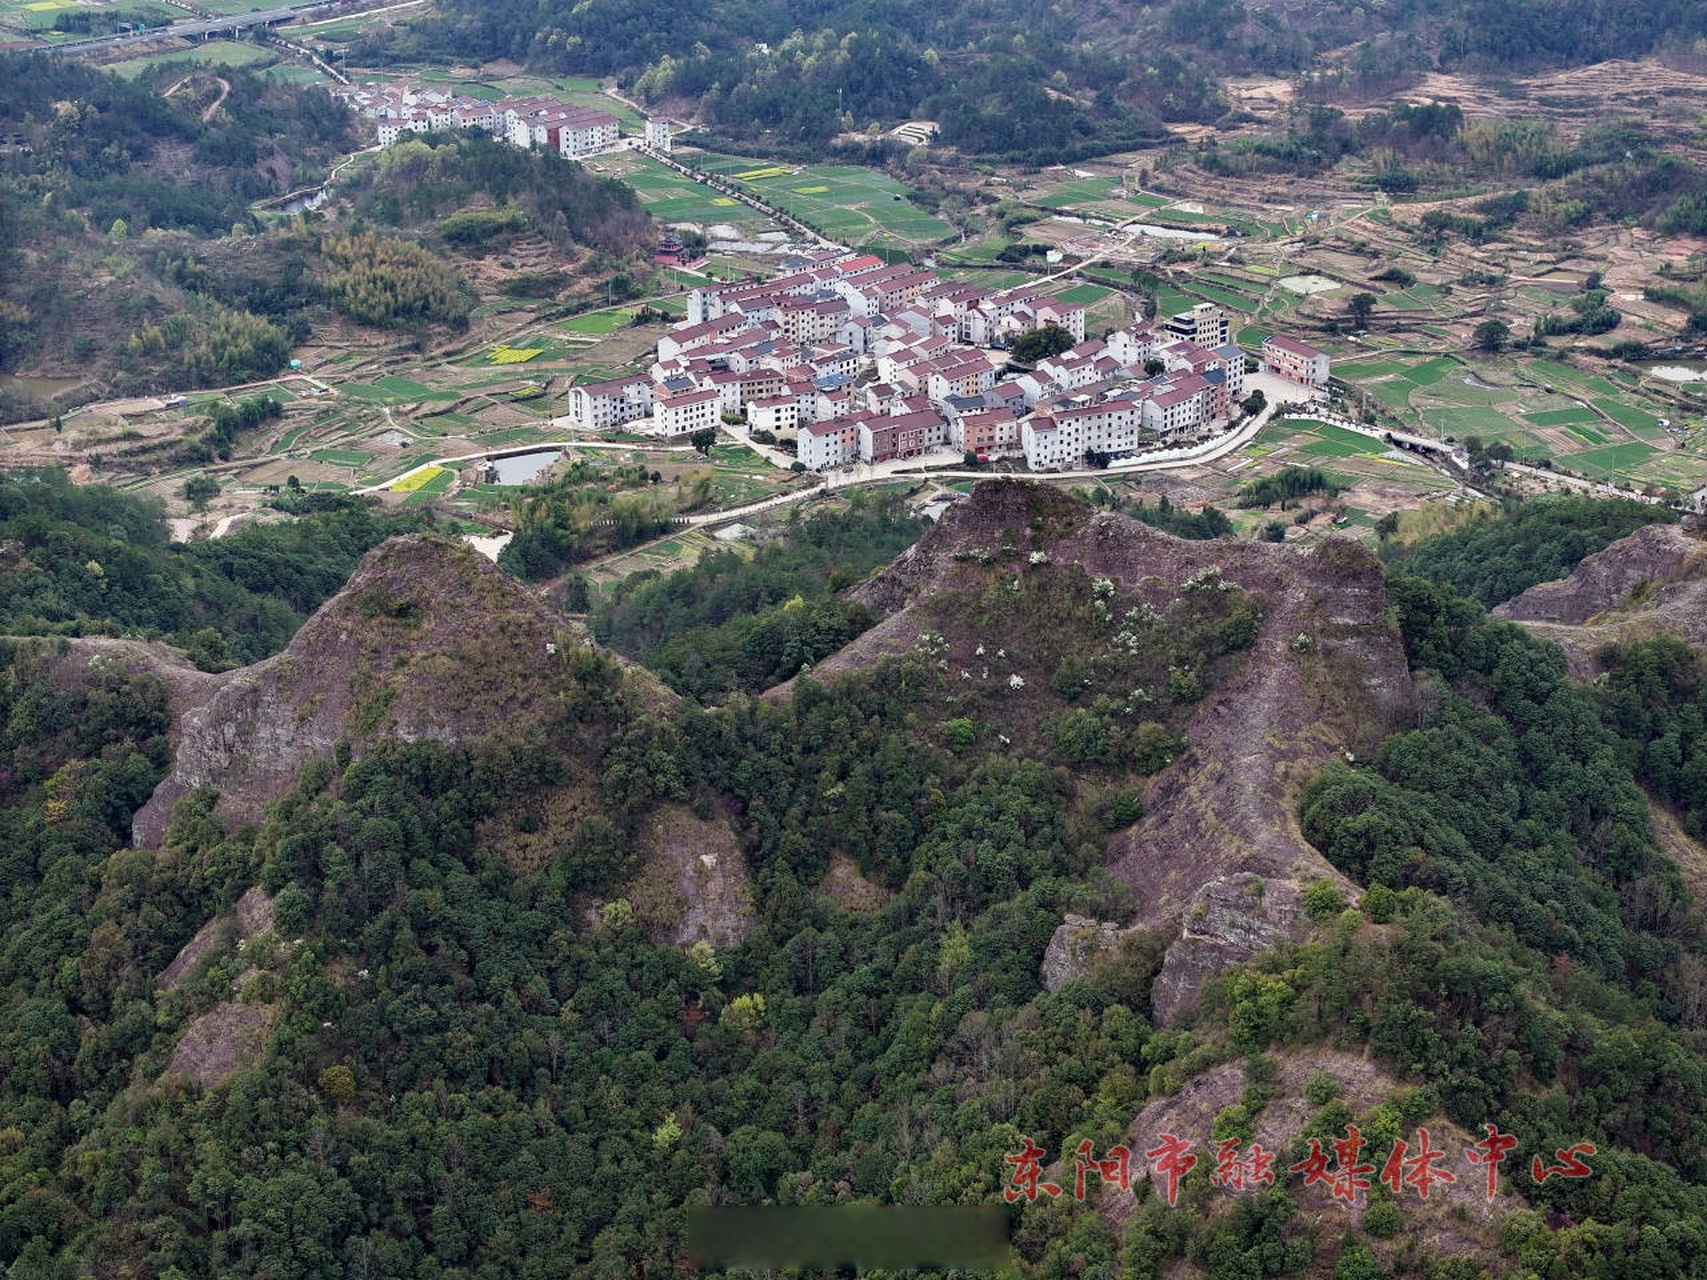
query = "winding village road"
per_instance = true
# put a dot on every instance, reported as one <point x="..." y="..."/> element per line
<point x="947" y="467"/>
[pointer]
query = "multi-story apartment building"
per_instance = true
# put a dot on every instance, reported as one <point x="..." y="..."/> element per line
<point x="1295" y="361"/>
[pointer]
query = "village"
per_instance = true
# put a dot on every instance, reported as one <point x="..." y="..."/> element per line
<point x="852" y="359"/>
<point x="573" y="131"/>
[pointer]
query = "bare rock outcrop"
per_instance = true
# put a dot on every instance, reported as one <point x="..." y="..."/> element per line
<point x="252" y="915"/>
<point x="1231" y="919"/>
<point x="225" y="1041"/>
<point x="1654" y="580"/>
<point x="1076" y="942"/>
<point x="1325" y="676"/>
<point x="694" y="885"/>
<point x="428" y="640"/>
<point x="1456" y="1217"/>
<point x="1656" y="555"/>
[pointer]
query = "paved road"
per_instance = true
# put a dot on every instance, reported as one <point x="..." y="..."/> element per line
<point x="195" y="28"/>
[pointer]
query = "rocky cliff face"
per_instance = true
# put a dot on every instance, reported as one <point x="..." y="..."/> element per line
<point x="1326" y="676"/>
<point x="1075" y="944"/>
<point x="428" y="640"/>
<point x="1231" y="919"/>
<point x="1656" y="555"/>
<point x="1655" y="578"/>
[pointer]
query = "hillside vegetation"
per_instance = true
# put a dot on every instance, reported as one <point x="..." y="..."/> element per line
<point x="134" y="261"/>
<point x="1027" y="80"/>
<point x="732" y="622"/>
<point x="462" y="1066"/>
<point x="80" y="561"/>
<point x="87" y="291"/>
<point x="1499" y="555"/>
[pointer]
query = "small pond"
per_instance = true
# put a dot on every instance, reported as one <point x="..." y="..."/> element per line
<point x="1676" y="370"/>
<point x="38" y="388"/>
<point x="524" y="468"/>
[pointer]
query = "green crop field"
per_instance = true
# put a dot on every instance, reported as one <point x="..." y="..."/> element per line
<point x="219" y="53"/>
<point x="436" y="487"/>
<point x="297" y="76"/>
<point x="477" y="89"/>
<point x="1309" y="436"/>
<point x="1432" y="371"/>
<point x="1614" y="460"/>
<point x="35" y="16"/>
<point x="233" y="6"/>
<point x="1562" y="417"/>
<point x="1551" y="372"/>
<point x="406" y="389"/>
<point x="343" y="457"/>
<point x="447" y="424"/>
<point x="845" y="202"/>
<point x="1080" y="191"/>
<point x="1351" y="439"/>
<point x="392" y="391"/>
<point x="288" y="439"/>
<point x="982" y="250"/>
<point x="1360" y="369"/>
<point x="1227" y="298"/>
<point x="1230" y="281"/>
<point x="1405" y="302"/>
<point x="599" y="322"/>
<point x="1171" y="301"/>
<point x="1626" y="415"/>
<point x="1330" y="449"/>
<point x="1395" y="394"/>
<point x="670" y="197"/>
<point x="1088" y="294"/>
<point x="402" y="464"/>
<point x="988" y="279"/>
<point x="515" y="435"/>
<point x="1471" y="422"/>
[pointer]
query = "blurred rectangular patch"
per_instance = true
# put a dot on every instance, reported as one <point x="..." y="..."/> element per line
<point x="973" y="1237"/>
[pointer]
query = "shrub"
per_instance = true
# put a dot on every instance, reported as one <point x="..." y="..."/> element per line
<point x="1382" y="1219"/>
<point x="1321" y="1088"/>
<point x="1323" y="900"/>
<point x="1379" y="903"/>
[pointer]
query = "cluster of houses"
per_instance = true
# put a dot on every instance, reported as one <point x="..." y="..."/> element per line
<point x="853" y="358"/>
<point x="571" y="131"/>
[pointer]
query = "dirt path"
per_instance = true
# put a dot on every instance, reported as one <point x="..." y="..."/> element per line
<point x="224" y="92"/>
<point x="207" y="112"/>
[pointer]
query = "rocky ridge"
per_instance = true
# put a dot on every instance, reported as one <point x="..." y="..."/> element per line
<point x="428" y="640"/>
<point x="1654" y="579"/>
<point x="1326" y="677"/>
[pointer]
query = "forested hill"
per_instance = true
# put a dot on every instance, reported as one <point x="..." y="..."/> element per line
<point x="132" y="259"/>
<point x="105" y="160"/>
<point x="1027" y="78"/>
<point x="435" y="1014"/>
<point x="421" y="182"/>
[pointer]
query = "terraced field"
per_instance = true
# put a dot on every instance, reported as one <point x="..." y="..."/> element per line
<point x="852" y="205"/>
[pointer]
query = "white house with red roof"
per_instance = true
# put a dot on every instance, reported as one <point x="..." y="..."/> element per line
<point x="827" y="444"/>
<point x="681" y="412"/>
<point x="1295" y="361"/>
